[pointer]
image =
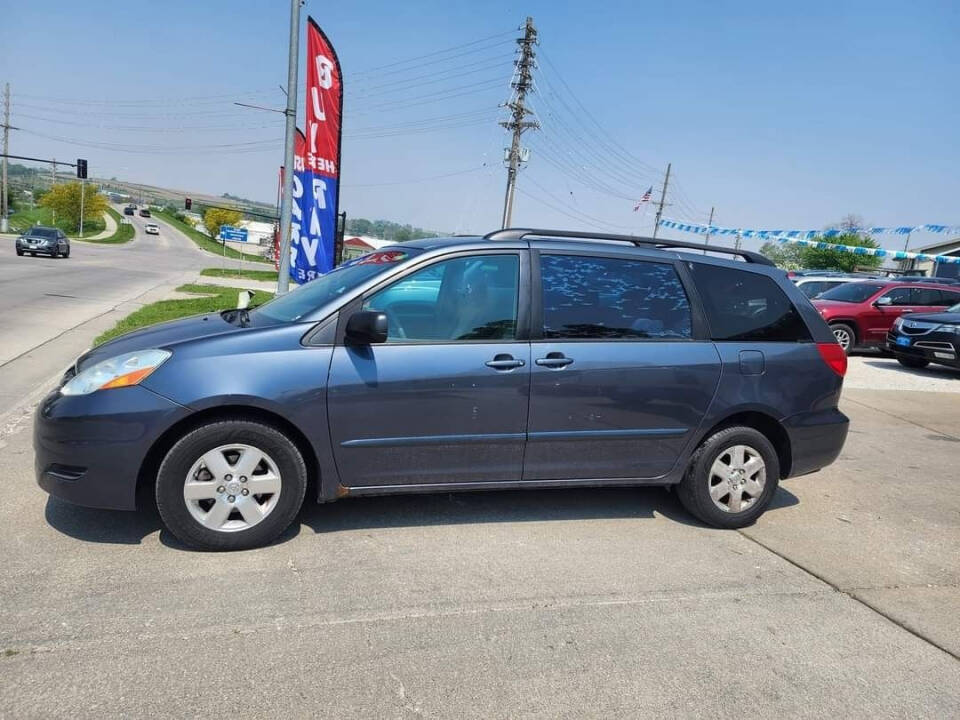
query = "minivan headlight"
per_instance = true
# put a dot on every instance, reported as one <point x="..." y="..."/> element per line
<point x="955" y="329"/>
<point x="897" y="323"/>
<point x="116" y="372"/>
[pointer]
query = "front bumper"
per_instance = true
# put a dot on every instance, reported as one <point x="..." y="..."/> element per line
<point x="27" y="247"/>
<point x="816" y="439"/>
<point x="89" y="448"/>
<point x="937" y="347"/>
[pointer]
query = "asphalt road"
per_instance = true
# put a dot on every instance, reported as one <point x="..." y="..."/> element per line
<point x="843" y="600"/>
<point x="42" y="298"/>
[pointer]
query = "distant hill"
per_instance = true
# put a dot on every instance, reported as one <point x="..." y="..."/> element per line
<point x="387" y="230"/>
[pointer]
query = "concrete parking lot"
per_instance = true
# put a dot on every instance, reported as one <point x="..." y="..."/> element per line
<point x="843" y="600"/>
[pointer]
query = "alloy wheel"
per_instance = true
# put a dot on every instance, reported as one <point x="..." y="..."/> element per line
<point x="737" y="478"/>
<point x="843" y="337"/>
<point x="232" y="487"/>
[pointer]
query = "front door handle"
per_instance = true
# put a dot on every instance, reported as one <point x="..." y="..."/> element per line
<point x="504" y="361"/>
<point x="904" y="312"/>
<point x="555" y="360"/>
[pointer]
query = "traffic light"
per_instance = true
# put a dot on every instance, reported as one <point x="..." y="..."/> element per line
<point x="81" y="169"/>
<point x="187" y="203"/>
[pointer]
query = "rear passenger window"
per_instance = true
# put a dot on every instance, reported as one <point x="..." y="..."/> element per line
<point x="600" y="298"/>
<point x="950" y="297"/>
<point x="928" y="297"/>
<point x="743" y="305"/>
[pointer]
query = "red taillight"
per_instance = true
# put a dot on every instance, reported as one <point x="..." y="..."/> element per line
<point x="834" y="356"/>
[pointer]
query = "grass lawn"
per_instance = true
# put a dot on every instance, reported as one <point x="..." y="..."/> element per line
<point x="269" y="275"/>
<point x="211" y="298"/>
<point x="205" y="242"/>
<point x="123" y="234"/>
<point x="25" y="218"/>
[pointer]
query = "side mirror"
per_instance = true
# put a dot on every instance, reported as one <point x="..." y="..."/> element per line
<point x="366" y="328"/>
<point x="883" y="301"/>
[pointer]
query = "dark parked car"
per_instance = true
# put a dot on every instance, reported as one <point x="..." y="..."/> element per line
<point x="860" y="313"/>
<point x="923" y="338"/>
<point x="523" y="359"/>
<point x="41" y="240"/>
<point x="130" y="210"/>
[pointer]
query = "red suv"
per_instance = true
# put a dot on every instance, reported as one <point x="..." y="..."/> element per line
<point x="860" y="313"/>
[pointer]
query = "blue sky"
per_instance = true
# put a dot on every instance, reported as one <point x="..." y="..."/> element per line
<point x="780" y="115"/>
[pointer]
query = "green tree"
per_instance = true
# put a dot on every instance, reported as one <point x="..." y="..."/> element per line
<point x="213" y="218"/>
<point x="817" y="259"/>
<point x="64" y="200"/>
<point x="785" y="255"/>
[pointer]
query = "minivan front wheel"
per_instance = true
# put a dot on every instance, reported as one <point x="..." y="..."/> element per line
<point x="231" y="485"/>
<point x="731" y="479"/>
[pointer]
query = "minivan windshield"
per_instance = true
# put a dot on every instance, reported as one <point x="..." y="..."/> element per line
<point x="317" y="293"/>
<point x="854" y="292"/>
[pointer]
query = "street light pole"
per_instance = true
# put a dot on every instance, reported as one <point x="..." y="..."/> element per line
<point x="286" y="200"/>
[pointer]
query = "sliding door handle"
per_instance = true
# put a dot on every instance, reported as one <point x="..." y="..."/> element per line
<point x="504" y="361"/>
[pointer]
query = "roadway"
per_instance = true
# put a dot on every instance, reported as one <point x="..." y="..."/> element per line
<point x="43" y="300"/>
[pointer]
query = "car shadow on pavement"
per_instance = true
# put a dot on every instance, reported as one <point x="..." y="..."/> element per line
<point x="102" y="526"/>
<point x="939" y="371"/>
<point x="506" y="506"/>
<point x="391" y="511"/>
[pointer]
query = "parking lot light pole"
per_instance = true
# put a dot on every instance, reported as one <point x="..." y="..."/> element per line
<point x="286" y="200"/>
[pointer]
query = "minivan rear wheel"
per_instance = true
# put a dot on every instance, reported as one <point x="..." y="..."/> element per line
<point x="731" y="479"/>
<point x="231" y="485"/>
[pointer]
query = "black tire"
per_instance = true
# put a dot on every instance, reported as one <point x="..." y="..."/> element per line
<point x="842" y="329"/>
<point x="66" y="253"/>
<point x="694" y="489"/>
<point x="19" y="253"/>
<point x="56" y="252"/>
<point x="181" y="458"/>
<point x="912" y="362"/>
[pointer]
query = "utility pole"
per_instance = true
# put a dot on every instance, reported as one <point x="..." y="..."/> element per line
<point x="663" y="200"/>
<point x="286" y="199"/>
<point x="4" y="210"/>
<point x="53" y="172"/>
<point x="706" y="240"/>
<point x="519" y="111"/>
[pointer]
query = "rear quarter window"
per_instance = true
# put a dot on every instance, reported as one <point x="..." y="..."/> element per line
<point x="747" y="306"/>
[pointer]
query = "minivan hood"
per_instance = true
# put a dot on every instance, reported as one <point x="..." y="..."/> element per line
<point x="160" y="335"/>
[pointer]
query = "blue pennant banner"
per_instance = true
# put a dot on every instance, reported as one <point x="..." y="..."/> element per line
<point x="815" y="238"/>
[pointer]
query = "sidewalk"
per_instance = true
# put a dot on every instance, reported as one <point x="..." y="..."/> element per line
<point x="111" y="228"/>
<point x="243" y="283"/>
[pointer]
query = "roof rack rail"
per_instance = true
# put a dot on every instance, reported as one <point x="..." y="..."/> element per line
<point x="638" y="241"/>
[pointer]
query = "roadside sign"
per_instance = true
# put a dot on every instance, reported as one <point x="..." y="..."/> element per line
<point x="233" y="234"/>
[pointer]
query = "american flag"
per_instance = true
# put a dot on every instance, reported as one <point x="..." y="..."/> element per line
<point x="644" y="199"/>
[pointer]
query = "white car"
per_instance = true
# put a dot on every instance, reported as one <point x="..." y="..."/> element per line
<point x="151" y="229"/>
<point x="814" y="285"/>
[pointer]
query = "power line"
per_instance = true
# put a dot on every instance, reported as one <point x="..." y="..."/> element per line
<point x="589" y="115"/>
<point x="396" y="63"/>
<point x="429" y="79"/>
<point x="417" y="180"/>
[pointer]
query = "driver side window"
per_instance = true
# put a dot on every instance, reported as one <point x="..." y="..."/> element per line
<point x="463" y="299"/>
<point x="901" y="296"/>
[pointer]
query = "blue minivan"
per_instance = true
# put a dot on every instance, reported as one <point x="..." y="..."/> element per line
<point x="522" y="359"/>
